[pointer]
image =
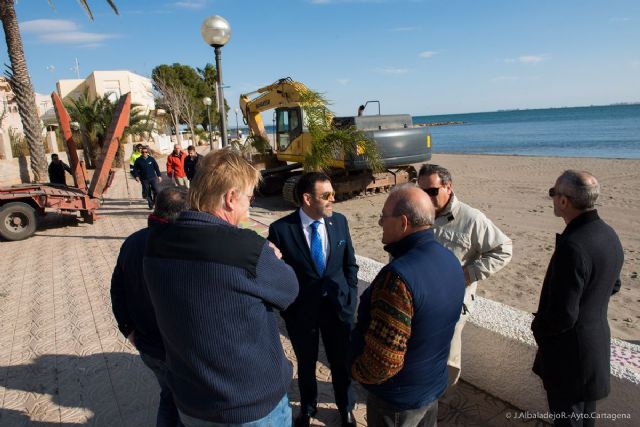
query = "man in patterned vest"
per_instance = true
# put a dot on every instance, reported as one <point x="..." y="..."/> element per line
<point x="407" y="317"/>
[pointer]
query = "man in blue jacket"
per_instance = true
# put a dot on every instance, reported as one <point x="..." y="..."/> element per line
<point x="131" y="303"/>
<point x="407" y="317"/>
<point x="216" y="289"/>
<point x="147" y="172"/>
<point x="316" y="242"/>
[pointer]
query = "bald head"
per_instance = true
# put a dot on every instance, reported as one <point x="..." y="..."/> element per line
<point x="580" y="187"/>
<point x="412" y="202"/>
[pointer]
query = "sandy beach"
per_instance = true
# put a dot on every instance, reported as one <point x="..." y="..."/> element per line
<point x="512" y="192"/>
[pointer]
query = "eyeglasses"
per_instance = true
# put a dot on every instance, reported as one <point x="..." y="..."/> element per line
<point x="327" y="195"/>
<point x="432" y="192"/>
<point x="145" y="152"/>
<point x="383" y="216"/>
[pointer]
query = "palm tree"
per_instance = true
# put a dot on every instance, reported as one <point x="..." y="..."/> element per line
<point x="20" y="82"/>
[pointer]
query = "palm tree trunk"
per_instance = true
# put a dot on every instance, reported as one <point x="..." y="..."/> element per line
<point x="21" y="84"/>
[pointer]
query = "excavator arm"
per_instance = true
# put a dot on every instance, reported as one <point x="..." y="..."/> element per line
<point x="279" y="94"/>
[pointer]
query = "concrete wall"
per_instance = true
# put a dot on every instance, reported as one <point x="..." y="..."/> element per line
<point x="498" y="350"/>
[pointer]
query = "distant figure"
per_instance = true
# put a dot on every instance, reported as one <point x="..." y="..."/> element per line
<point x="571" y="326"/>
<point x="216" y="290"/>
<point x="361" y="110"/>
<point x="315" y="241"/>
<point x="137" y="152"/>
<point x="175" y="167"/>
<point x="191" y="162"/>
<point x="147" y="172"/>
<point x="131" y="303"/>
<point x="407" y="317"/>
<point x="56" y="170"/>
<point x="474" y="239"/>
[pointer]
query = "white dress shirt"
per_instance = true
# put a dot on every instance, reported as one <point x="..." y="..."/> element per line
<point x="322" y="231"/>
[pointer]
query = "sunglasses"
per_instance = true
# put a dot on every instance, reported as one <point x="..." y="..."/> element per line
<point x="553" y="192"/>
<point x="327" y="195"/>
<point x="433" y="191"/>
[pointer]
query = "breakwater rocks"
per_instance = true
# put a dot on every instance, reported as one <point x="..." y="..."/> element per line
<point x="440" y="124"/>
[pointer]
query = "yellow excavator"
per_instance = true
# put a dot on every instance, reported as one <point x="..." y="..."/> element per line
<point x="398" y="142"/>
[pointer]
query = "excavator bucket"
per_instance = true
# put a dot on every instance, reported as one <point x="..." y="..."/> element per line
<point x="72" y="148"/>
<point x="101" y="177"/>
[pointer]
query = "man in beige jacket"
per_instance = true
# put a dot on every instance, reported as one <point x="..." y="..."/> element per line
<point x="479" y="245"/>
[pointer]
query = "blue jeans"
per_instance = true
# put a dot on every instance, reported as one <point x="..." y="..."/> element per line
<point x="383" y="414"/>
<point x="167" y="411"/>
<point x="279" y="417"/>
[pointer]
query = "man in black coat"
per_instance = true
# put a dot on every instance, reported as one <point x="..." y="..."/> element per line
<point x="131" y="303"/>
<point x="571" y="326"/>
<point x="316" y="242"/>
<point x="56" y="170"/>
<point x="147" y="172"/>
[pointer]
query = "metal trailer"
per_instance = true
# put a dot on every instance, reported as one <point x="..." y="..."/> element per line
<point x="22" y="205"/>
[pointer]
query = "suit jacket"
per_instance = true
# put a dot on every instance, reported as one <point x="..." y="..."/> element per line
<point x="571" y="326"/>
<point x="340" y="280"/>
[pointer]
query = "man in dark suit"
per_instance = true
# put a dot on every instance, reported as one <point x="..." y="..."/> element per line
<point x="316" y="242"/>
<point x="571" y="326"/>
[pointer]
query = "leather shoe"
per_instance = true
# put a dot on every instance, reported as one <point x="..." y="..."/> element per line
<point x="348" y="420"/>
<point x="304" y="418"/>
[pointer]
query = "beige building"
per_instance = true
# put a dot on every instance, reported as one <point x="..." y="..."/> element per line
<point x="114" y="83"/>
<point x="9" y="115"/>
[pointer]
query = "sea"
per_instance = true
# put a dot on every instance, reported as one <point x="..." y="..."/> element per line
<point x="598" y="131"/>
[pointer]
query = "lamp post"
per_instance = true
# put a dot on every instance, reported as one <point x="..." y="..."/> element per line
<point x="216" y="32"/>
<point x="207" y="102"/>
<point x="237" y="129"/>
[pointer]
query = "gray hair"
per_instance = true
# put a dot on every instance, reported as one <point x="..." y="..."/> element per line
<point x="418" y="215"/>
<point x="429" y="169"/>
<point x="170" y="203"/>
<point x="580" y="187"/>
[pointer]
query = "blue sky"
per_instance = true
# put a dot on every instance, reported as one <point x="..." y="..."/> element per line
<point x="418" y="57"/>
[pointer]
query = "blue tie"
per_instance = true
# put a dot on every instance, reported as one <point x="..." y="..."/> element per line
<point x="316" y="247"/>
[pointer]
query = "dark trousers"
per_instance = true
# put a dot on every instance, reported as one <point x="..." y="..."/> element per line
<point x="167" y="411"/>
<point x="305" y="341"/>
<point x="569" y="413"/>
<point x="150" y="189"/>
<point x="382" y="414"/>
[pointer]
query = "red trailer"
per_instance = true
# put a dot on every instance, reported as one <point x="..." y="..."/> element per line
<point x="22" y="205"/>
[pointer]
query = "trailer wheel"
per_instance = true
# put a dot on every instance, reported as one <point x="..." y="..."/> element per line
<point x="17" y="221"/>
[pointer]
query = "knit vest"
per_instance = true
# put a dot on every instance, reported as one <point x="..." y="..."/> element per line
<point x="435" y="280"/>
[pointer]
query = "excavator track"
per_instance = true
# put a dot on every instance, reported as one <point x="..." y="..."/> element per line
<point x="362" y="183"/>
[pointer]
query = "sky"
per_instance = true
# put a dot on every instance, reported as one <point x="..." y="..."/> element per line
<point x="418" y="57"/>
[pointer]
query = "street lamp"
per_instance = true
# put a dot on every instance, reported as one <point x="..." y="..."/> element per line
<point x="237" y="129"/>
<point x="216" y="32"/>
<point x="207" y="102"/>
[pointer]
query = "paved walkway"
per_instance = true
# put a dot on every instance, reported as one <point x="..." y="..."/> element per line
<point x="62" y="358"/>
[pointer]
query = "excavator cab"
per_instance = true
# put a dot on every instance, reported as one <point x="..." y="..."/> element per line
<point x="288" y="126"/>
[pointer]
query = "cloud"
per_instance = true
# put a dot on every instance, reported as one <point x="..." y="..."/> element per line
<point x="191" y="4"/>
<point x="427" y="54"/>
<point x="619" y="19"/>
<point x="74" y="37"/>
<point x="343" y="82"/>
<point x="528" y="59"/>
<point x="58" y="31"/>
<point x="47" y="26"/>
<point x="532" y="59"/>
<point x="392" y="70"/>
